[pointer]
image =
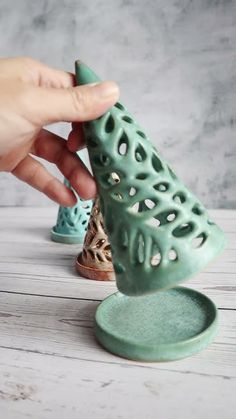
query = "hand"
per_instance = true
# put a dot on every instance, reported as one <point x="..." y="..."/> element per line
<point x="33" y="95"/>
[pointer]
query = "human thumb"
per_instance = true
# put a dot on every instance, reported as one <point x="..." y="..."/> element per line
<point x="74" y="104"/>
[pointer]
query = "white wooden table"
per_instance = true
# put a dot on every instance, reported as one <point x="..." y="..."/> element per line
<point x="52" y="367"/>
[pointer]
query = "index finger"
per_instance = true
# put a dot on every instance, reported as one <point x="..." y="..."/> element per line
<point x="34" y="72"/>
<point x="53" y="149"/>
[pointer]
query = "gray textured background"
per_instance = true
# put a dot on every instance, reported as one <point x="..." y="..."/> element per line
<point x="175" y="62"/>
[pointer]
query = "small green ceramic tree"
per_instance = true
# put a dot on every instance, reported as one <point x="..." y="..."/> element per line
<point x="72" y="222"/>
<point x="160" y="233"/>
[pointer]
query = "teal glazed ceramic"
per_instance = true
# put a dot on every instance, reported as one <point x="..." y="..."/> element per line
<point x="72" y="222"/>
<point x="160" y="233"/>
<point x="164" y="326"/>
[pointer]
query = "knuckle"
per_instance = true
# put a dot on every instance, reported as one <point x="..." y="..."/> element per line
<point x="80" y="101"/>
<point x="25" y="96"/>
<point x="26" y="61"/>
<point x="32" y="175"/>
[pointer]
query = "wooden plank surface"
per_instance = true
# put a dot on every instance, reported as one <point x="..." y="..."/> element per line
<point x="52" y="367"/>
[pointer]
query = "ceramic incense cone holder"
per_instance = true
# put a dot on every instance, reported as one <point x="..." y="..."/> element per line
<point x="160" y="235"/>
<point x="94" y="261"/>
<point x="72" y="222"/>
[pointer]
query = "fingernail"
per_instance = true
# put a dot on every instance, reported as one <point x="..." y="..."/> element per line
<point x="93" y="84"/>
<point x="106" y="90"/>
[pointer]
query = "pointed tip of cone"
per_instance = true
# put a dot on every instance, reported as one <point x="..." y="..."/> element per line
<point x="84" y="74"/>
<point x="77" y="63"/>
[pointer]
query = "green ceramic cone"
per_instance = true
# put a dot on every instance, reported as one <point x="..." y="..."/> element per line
<point x="159" y="232"/>
<point x="72" y="222"/>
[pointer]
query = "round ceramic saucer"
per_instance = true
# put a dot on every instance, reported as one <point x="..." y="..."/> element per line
<point x="165" y="326"/>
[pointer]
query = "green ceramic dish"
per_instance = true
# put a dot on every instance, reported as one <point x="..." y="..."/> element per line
<point x="164" y="326"/>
